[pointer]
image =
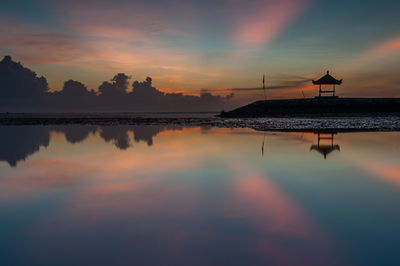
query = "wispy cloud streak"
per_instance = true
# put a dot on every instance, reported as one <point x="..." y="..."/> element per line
<point x="267" y="20"/>
<point x="387" y="47"/>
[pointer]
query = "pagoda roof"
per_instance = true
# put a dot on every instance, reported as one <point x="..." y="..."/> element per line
<point x="327" y="80"/>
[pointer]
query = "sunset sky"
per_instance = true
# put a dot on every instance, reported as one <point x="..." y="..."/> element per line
<point x="219" y="46"/>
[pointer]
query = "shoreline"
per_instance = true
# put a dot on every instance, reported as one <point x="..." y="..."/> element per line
<point x="289" y="124"/>
<point x="318" y="107"/>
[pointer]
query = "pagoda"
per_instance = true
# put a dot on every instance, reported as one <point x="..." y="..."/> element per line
<point x="327" y="80"/>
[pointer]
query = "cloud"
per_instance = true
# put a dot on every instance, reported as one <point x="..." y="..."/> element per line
<point x="114" y="52"/>
<point x="266" y="20"/>
<point x="283" y="82"/>
<point x="379" y="54"/>
<point x="104" y="37"/>
<point x="123" y="20"/>
<point x="387" y="47"/>
<point x="41" y="46"/>
<point x="282" y="85"/>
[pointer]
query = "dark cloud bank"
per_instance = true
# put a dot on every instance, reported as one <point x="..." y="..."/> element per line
<point x="23" y="91"/>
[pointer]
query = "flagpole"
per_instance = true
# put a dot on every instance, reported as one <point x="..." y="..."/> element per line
<point x="265" y="97"/>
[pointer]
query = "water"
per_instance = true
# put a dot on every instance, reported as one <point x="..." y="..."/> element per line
<point x="170" y="195"/>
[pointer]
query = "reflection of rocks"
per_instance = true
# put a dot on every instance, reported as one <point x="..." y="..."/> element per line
<point x="18" y="142"/>
<point x="325" y="144"/>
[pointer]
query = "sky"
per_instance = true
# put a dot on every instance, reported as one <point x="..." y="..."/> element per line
<point x="219" y="46"/>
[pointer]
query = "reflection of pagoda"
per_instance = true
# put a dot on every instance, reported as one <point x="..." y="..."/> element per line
<point x="325" y="144"/>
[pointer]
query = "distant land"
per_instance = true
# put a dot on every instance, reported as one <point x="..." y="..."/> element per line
<point x="22" y="91"/>
<point x="326" y="104"/>
<point x="317" y="107"/>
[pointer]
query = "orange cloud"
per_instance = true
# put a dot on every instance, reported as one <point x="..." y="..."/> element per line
<point x="126" y="21"/>
<point x="388" y="47"/>
<point x="38" y="46"/>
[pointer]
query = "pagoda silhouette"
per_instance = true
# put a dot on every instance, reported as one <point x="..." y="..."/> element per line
<point x="327" y="80"/>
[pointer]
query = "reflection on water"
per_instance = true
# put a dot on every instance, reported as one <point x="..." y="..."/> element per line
<point x="327" y="147"/>
<point x="19" y="142"/>
<point x="157" y="195"/>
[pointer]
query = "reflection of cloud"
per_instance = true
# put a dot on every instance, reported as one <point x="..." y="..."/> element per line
<point x="40" y="175"/>
<point x="387" y="172"/>
<point x="375" y="154"/>
<point x="269" y="202"/>
<point x="163" y="196"/>
<point x="44" y="172"/>
<point x="279" y="220"/>
<point x="272" y="210"/>
<point x="129" y="198"/>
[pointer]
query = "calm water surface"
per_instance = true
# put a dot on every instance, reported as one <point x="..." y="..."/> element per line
<point x="156" y="195"/>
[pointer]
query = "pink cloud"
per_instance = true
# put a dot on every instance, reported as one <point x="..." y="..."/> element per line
<point x="267" y="20"/>
<point x="40" y="46"/>
<point x="126" y="21"/>
<point x="102" y="48"/>
<point x="35" y="45"/>
<point x="385" y="48"/>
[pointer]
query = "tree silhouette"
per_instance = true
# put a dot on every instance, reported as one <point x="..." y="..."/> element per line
<point x="17" y="81"/>
<point x="121" y="82"/>
<point x="22" y="90"/>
